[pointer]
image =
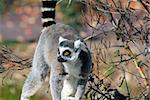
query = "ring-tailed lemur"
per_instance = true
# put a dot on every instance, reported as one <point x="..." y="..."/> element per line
<point x="62" y="51"/>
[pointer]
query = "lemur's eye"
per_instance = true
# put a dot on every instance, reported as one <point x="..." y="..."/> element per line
<point x="66" y="53"/>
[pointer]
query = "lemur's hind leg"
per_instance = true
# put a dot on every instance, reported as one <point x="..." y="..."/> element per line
<point x="35" y="78"/>
<point x="56" y="77"/>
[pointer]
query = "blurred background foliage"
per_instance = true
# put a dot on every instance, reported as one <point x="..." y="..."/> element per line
<point x="72" y="13"/>
<point x="20" y="19"/>
<point x="5" y="5"/>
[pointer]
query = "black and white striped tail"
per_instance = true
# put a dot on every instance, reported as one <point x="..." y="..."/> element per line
<point x="48" y="12"/>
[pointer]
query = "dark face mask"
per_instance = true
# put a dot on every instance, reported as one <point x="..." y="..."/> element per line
<point x="60" y="59"/>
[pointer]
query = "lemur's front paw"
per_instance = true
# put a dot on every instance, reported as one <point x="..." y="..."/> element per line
<point x="22" y="98"/>
<point x="69" y="98"/>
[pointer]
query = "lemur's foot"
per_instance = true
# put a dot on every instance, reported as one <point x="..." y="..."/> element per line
<point x="24" y="98"/>
<point x="69" y="98"/>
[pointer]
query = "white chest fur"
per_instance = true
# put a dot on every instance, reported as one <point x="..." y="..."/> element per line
<point x="73" y="68"/>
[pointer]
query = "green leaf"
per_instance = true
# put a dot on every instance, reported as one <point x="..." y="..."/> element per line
<point x="2" y="69"/>
<point x="140" y="63"/>
<point x="135" y="56"/>
<point x="117" y="53"/>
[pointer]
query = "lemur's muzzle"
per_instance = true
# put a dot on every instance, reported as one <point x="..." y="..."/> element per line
<point x="60" y="59"/>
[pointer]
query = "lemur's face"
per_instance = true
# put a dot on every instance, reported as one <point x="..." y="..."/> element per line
<point x="69" y="50"/>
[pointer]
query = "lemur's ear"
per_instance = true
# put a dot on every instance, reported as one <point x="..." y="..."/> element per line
<point x="77" y="43"/>
<point x="61" y="39"/>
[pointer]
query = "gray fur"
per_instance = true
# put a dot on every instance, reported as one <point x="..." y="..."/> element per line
<point x="67" y="44"/>
<point x="45" y="58"/>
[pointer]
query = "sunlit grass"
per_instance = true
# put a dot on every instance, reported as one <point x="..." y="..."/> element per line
<point x="12" y="91"/>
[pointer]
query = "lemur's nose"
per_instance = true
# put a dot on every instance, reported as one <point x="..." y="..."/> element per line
<point x="60" y="59"/>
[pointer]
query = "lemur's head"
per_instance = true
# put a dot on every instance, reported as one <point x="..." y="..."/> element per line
<point x="68" y="51"/>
